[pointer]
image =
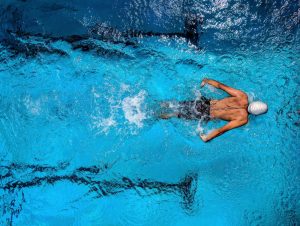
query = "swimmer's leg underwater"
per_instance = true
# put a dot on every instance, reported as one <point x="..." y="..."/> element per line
<point x="165" y="110"/>
<point x="170" y="115"/>
<point x="192" y="109"/>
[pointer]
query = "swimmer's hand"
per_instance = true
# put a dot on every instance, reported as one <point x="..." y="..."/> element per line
<point x="204" y="81"/>
<point x="203" y="137"/>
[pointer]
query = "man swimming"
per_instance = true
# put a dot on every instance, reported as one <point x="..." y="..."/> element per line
<point x="234" y="109"/>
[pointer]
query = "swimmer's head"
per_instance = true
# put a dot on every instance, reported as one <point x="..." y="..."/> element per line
<point x="257" y="108"/>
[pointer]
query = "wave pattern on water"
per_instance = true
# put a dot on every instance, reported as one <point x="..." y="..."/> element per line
<point x="90" y="93"/>
<point x="90" y="177"/>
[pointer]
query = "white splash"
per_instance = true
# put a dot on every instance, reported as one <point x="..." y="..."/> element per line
<point x="211" y="88"/>
<point x="95" y="93"/>
<point x="33" y="106"/>
<point x="132" y="109"/>
<point x="220" y="4"/>
<point x="102" y="125"/>
<point x="124" y="87"/>
<point x="251" y="96"/>
<point x="200" y="128"/>
<point x="197" y="92"/>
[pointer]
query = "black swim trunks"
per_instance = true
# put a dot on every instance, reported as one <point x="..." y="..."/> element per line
<point x="195" y="109"/>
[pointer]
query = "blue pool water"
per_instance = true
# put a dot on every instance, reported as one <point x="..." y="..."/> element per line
<point x="80" y="141"/>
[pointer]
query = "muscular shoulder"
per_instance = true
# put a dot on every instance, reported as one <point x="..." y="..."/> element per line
<point x="242" y="98"/>
<point x="243" y="116"/>
<point x="242" y="95"/>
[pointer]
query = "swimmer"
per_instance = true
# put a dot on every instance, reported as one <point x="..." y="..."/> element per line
<point x="234" y="109"/>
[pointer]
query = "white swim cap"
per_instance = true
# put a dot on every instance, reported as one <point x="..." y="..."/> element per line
<point x="257" y="108"/>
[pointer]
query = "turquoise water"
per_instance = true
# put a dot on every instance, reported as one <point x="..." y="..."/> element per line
<point x="88" y="110"/>
<point x="81" y="143"/>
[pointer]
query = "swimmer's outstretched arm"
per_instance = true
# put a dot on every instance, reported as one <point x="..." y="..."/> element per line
<point x="220" y="131"/>
<point x="231" y="91"/>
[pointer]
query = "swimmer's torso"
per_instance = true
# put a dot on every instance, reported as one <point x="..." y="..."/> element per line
<point x="230" y="108"/>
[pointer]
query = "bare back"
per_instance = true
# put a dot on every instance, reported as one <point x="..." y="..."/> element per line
<point x="230" y="108"/>
<point x="233" y="109"/>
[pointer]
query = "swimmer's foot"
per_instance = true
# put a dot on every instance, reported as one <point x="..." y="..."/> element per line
<point x="167" y="116"/>
<point x="165" y="104"/>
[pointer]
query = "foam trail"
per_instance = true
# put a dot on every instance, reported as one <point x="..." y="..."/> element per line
<point x="103" y="125"/>
<point x="132" y="107"/>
